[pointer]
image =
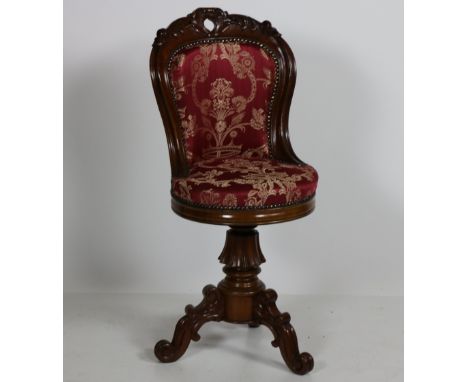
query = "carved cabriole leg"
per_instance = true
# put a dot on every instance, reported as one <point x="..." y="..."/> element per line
<point x="210" y="309"/>
<point x="267" y="313"/>
<point x="239" y="298"/>
<point x="247" y="301"/>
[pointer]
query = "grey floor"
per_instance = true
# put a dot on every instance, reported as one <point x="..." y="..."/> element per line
<point x="110" y="337"/>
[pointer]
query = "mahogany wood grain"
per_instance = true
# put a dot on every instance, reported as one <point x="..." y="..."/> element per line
<point x="240" y="297"/>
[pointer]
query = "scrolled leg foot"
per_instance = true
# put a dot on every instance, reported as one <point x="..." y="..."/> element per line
<point x="267" y="313"/>
<point x="210" y="309"/>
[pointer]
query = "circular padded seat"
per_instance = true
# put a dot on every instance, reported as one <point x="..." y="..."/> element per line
<point x="241" y="183"/>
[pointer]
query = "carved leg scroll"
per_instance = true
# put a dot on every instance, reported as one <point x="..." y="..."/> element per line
<point x="266" y="313"/>
<point x="239" y="298"/>
<point x="210" y="309"/>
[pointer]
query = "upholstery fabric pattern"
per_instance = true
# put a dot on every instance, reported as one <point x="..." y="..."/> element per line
<point x="240" y="182"/>
<point x="222" y="93"/>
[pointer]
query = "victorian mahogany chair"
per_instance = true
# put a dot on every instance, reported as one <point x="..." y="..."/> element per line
<point x="224" y="94"/>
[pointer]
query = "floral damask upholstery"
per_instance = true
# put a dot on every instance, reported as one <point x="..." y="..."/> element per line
<point x="241" y="182"/>
<point x="223" y="93"/>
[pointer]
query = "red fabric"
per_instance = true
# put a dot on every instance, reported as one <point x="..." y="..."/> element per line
<point x="222" y="93"/>
<point x="241" y="182"/>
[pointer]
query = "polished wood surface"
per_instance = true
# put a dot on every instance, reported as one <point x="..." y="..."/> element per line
<point x="191" y="29"/>
<point x="243" y="217"/>
<point x="210" y="309"/>
<point x="240" y="298"/>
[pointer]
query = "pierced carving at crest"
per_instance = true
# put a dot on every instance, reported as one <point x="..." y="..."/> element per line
<point x="222" y="22"/>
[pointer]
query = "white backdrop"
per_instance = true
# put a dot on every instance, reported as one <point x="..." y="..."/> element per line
<point x="346" y="120"/>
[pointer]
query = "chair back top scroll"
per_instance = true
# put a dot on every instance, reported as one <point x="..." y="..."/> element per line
<point x="224" y="85"/>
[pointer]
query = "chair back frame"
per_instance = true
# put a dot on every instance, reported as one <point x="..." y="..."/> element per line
<point x="191" y="31"/>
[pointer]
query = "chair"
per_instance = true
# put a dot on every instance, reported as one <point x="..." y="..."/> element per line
<point x="224" y="92"/>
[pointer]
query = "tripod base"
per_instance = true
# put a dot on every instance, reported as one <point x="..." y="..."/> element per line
<point x="240" y="298"/>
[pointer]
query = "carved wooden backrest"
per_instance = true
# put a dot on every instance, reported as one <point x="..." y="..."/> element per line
<point x="224" y="90"/>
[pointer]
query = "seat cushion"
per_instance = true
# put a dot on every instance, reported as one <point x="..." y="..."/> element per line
<point x="236" y="183"/>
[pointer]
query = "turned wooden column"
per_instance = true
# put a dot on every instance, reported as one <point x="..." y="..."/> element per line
<point x="242" y="258"/>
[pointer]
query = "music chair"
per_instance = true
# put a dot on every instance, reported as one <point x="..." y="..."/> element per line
<point x="224" y="93"/>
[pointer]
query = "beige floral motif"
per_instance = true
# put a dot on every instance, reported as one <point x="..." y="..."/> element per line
<point x="222" y="114"/>
<point x="208" y="177"/>
<point x="258" y="196"/>
<point x="230" y="200"/>
<point x="201" y="63"/>
<point x="188" y="123"/>
<point x="205" y="106"/>
<point x="179" y="60"/>
<point x="256" y="153"/>
<point x="188" y="127"/>
<point x="241" y="61"/>
<point x="258" y="119"/>
<point x="220" y="108"/>
<point x="179" y="87"/>
<point x="239" y="103"/>
<point x="267" y="79"/>
<point x="182" y="188"/>
<point x="178" y="84"/>
<point x="209" y="197"/>
<point x="266" y="179"/>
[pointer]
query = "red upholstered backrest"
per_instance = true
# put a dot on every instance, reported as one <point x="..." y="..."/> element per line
<point x="223" y="92"/>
